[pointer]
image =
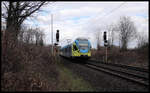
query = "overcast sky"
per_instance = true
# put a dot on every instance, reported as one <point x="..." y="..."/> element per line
<point x="84" y="19"/>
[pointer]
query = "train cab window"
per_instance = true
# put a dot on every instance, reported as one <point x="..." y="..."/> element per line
<point x="75" y="47"/>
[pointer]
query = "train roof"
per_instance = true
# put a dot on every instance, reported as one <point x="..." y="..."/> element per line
<point x="66" y="46"/>
<point x="82" y="38"/>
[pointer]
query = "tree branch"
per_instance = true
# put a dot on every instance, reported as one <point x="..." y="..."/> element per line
<point x="27" y="13"/>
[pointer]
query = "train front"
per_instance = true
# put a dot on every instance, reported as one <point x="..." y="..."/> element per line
<point x="83" y="48"/>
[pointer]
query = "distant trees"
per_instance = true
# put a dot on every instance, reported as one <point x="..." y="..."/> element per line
<point x="28" y="35"/>
<point x="111" y="34"/>
<point x="39" y="36"/>
<point x="142" y="40"/>
<point x="31" y="35"/>
<point x="98" y="39"/>
<point x="127" y="31"/>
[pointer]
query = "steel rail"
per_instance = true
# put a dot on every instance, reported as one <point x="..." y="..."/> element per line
<point x="123" y="66"/>
<point x="128" y="71"/>
<point x="120" y="74"/>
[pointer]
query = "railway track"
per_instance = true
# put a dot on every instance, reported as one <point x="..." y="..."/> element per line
<point x="132" y="74"/>
<point x="136" y="76"/>
<point x="123" y="66"/>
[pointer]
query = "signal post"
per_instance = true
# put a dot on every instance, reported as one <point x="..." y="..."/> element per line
<point x="105" y="43"/>
<point x="57" y="40"/>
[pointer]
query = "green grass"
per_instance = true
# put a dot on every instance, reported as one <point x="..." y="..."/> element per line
<point x="70" y="82"/>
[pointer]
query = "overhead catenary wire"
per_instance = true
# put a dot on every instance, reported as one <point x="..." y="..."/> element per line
<point x="114" y="9"/>
<point x="111" y="11"/>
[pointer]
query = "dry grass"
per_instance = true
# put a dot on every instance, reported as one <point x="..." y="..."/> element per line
<point x="28" y="67"/>
<point x="133" y="57"/>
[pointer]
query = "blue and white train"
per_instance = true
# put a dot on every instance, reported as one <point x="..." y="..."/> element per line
<point x="80" y="48"/>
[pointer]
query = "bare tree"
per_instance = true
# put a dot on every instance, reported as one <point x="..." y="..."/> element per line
<point x="127" y="31"/>
<point x="111" y="31"/>
<point x="39" y="36"/>
<point x="16" y="13"/>
<point x="29" y="35"/>
<point x="141" y="40"/>
<point x="98" y="39"/>
<point x="21" y="33"/>
<point x="41" y="39"/>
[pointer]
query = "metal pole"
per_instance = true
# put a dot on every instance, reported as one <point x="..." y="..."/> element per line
<point x="106" y="54"/>
<point x="52" y="31"/>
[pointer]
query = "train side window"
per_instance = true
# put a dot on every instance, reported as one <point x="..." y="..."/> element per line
<point x="74" y="47"/>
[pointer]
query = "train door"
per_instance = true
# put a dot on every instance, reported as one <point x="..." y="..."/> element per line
<point x="75" y="50"/>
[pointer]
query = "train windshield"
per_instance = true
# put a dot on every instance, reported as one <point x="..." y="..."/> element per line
<point x="83" y="44"/>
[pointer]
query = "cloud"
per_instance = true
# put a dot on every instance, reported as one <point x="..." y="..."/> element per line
<point x="82" y="11"/>
<point x="75" y="19"/>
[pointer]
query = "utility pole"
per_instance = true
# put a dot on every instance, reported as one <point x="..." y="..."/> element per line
<point x="52" y="31"/>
